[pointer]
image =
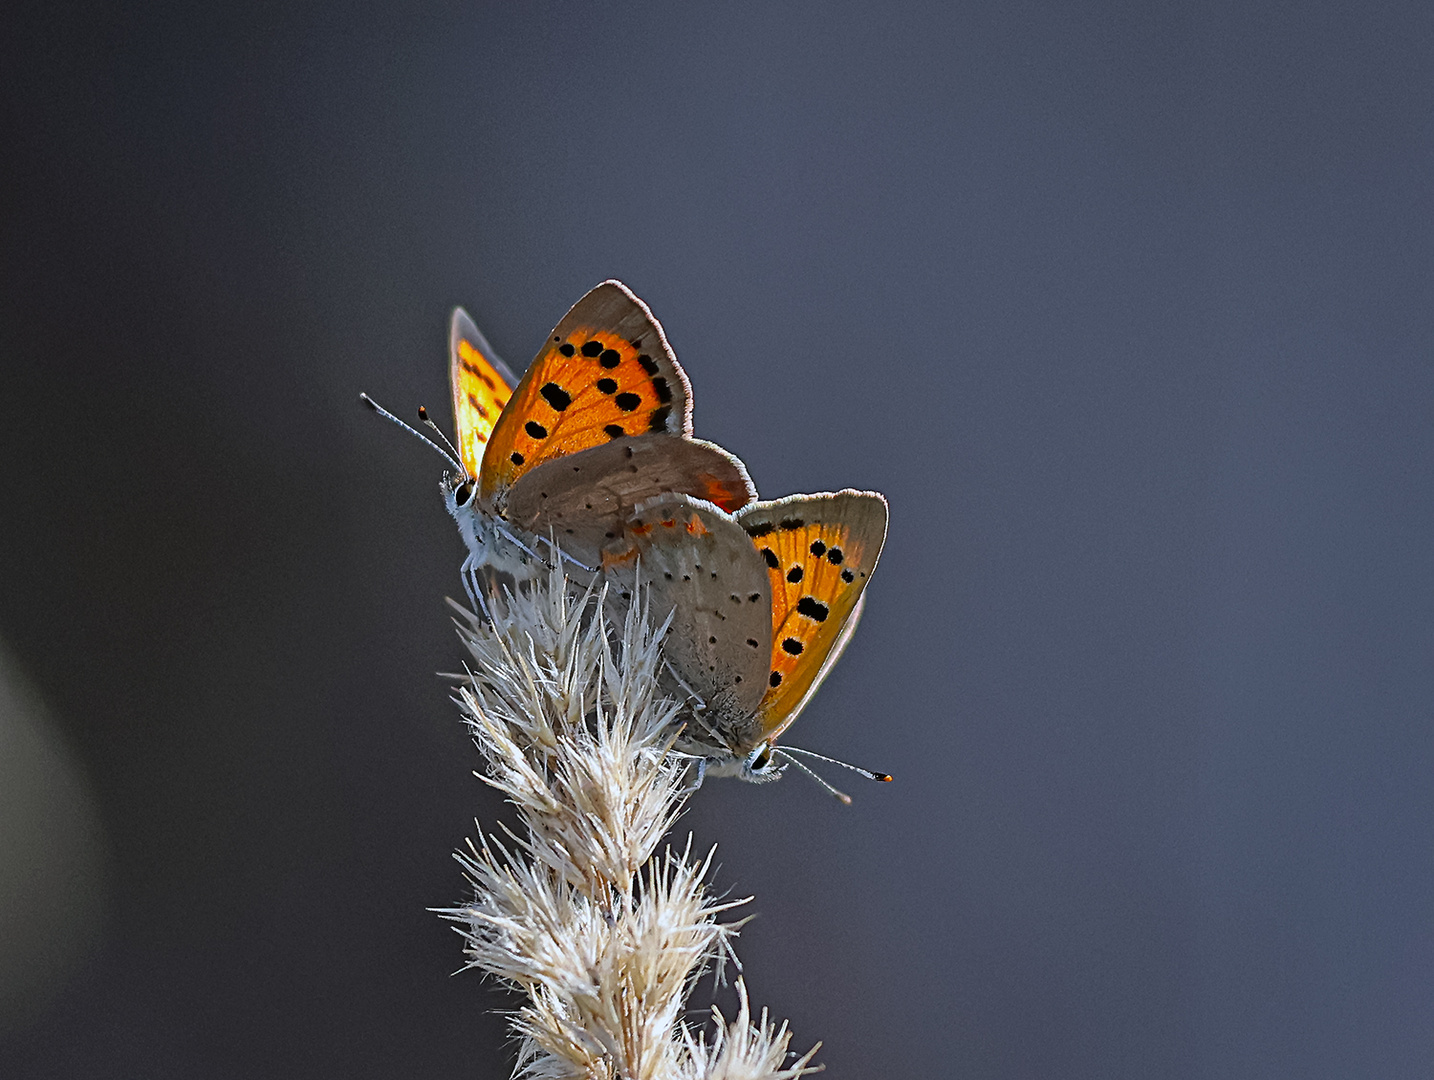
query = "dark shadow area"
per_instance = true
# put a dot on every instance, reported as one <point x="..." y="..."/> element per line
<point x="1127" y="311"/>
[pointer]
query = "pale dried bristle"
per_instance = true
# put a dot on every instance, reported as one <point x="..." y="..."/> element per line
<point x="603" y="935"/>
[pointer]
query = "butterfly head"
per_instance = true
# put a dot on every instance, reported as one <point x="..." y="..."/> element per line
<point x="460" y="496"/>
<point x="459" y="491"/>
<point x="762" y="765"/>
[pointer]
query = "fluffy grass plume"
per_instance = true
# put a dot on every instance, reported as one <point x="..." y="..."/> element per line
<point x="604" y="935"/>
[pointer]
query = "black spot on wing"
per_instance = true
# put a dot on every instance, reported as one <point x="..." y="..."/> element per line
<point x="614" y="431"/>
<point x="835" y="556"/>
<point x="792" y="647"/>
<point x="627" y="401"/>
<point x="761" y="528"/>
<point x="592" y="348"/>
<point x="818" y="548"/>
<point x="556" y="396"/>
<point x="516" y="458"/>
<point x="775" y="679"/>
<point x="848" y="576"/>
<point x="535" y="429"/>
<point x="566" y="348"/>
<point x="812" y="608"/>
<point x="658" y="420"/>
<point x="791" y="523"/>
<point x="662" y="390"/>
<point x="771" y="557"/>
<point x="606" y="386"/>
<point x="648" y="364"/>
<point x="794" y="575"/>
<point x="610" y="358"/>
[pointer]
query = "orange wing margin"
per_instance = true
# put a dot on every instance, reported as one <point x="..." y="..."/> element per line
<point x="605" y="372"/>
<point x="820" y="551"/>
<point x="481" y="385"/>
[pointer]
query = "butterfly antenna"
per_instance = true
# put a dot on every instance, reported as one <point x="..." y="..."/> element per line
<point x="376" y="407"/>
<point x="423" y="416"/>
<point x="885" y="778"/>
<point x="842" y="796"/>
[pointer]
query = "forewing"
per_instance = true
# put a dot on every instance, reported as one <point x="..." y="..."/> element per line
<point x="585" y="499"/>
<point x="699" y="565"/>
<point x="819" y="551"/>
<point x="481" y="385"/>
<point x="606" y="372"/>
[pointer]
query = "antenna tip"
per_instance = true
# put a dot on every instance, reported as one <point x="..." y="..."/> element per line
<point x="367" y="401"/>
<point x="844" y="797"/>
<point x="423" y="414"/>
<point x="885" y="778"/>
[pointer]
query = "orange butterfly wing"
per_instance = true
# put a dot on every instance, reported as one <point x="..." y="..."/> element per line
<point x="820" y="551"/>
<point x="481" y="385"/>
<point x="605" y="372"/>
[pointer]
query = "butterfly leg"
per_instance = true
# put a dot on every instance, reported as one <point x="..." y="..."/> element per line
<point x="698" y="704"/>
<point x="478" y="591"/>
<point x="701" y="775"/>
<point x="465" y="572"/>
<point x="520" y="545"/>
<point x="563" y="555"/>
<point x="471" y="585"/>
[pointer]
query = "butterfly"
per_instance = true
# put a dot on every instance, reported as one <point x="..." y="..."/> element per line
<point x="600" y="422"/>
<point x="763" y="604"/>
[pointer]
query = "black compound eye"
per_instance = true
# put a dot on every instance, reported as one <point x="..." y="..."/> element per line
<point x="762" y="759"/>
<point x="463" y="493"/>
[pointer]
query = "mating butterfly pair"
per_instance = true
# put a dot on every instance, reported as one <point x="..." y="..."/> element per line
<point x="594" y="446"/>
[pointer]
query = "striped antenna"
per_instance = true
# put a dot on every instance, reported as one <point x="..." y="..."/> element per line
<point x="452" y="459"/>
<point x="423" y="416"/>
<point x="885" y="778"/>
<point x="842" y="796"/>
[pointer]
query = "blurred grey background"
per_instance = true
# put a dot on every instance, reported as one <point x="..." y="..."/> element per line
<point x="1127" y="309"/>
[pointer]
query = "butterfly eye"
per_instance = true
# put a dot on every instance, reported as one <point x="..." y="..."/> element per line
<point x="761" y="758"/>
<point x="463" y="493"/>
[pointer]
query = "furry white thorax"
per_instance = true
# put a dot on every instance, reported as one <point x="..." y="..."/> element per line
<point x="489" y="550"/>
